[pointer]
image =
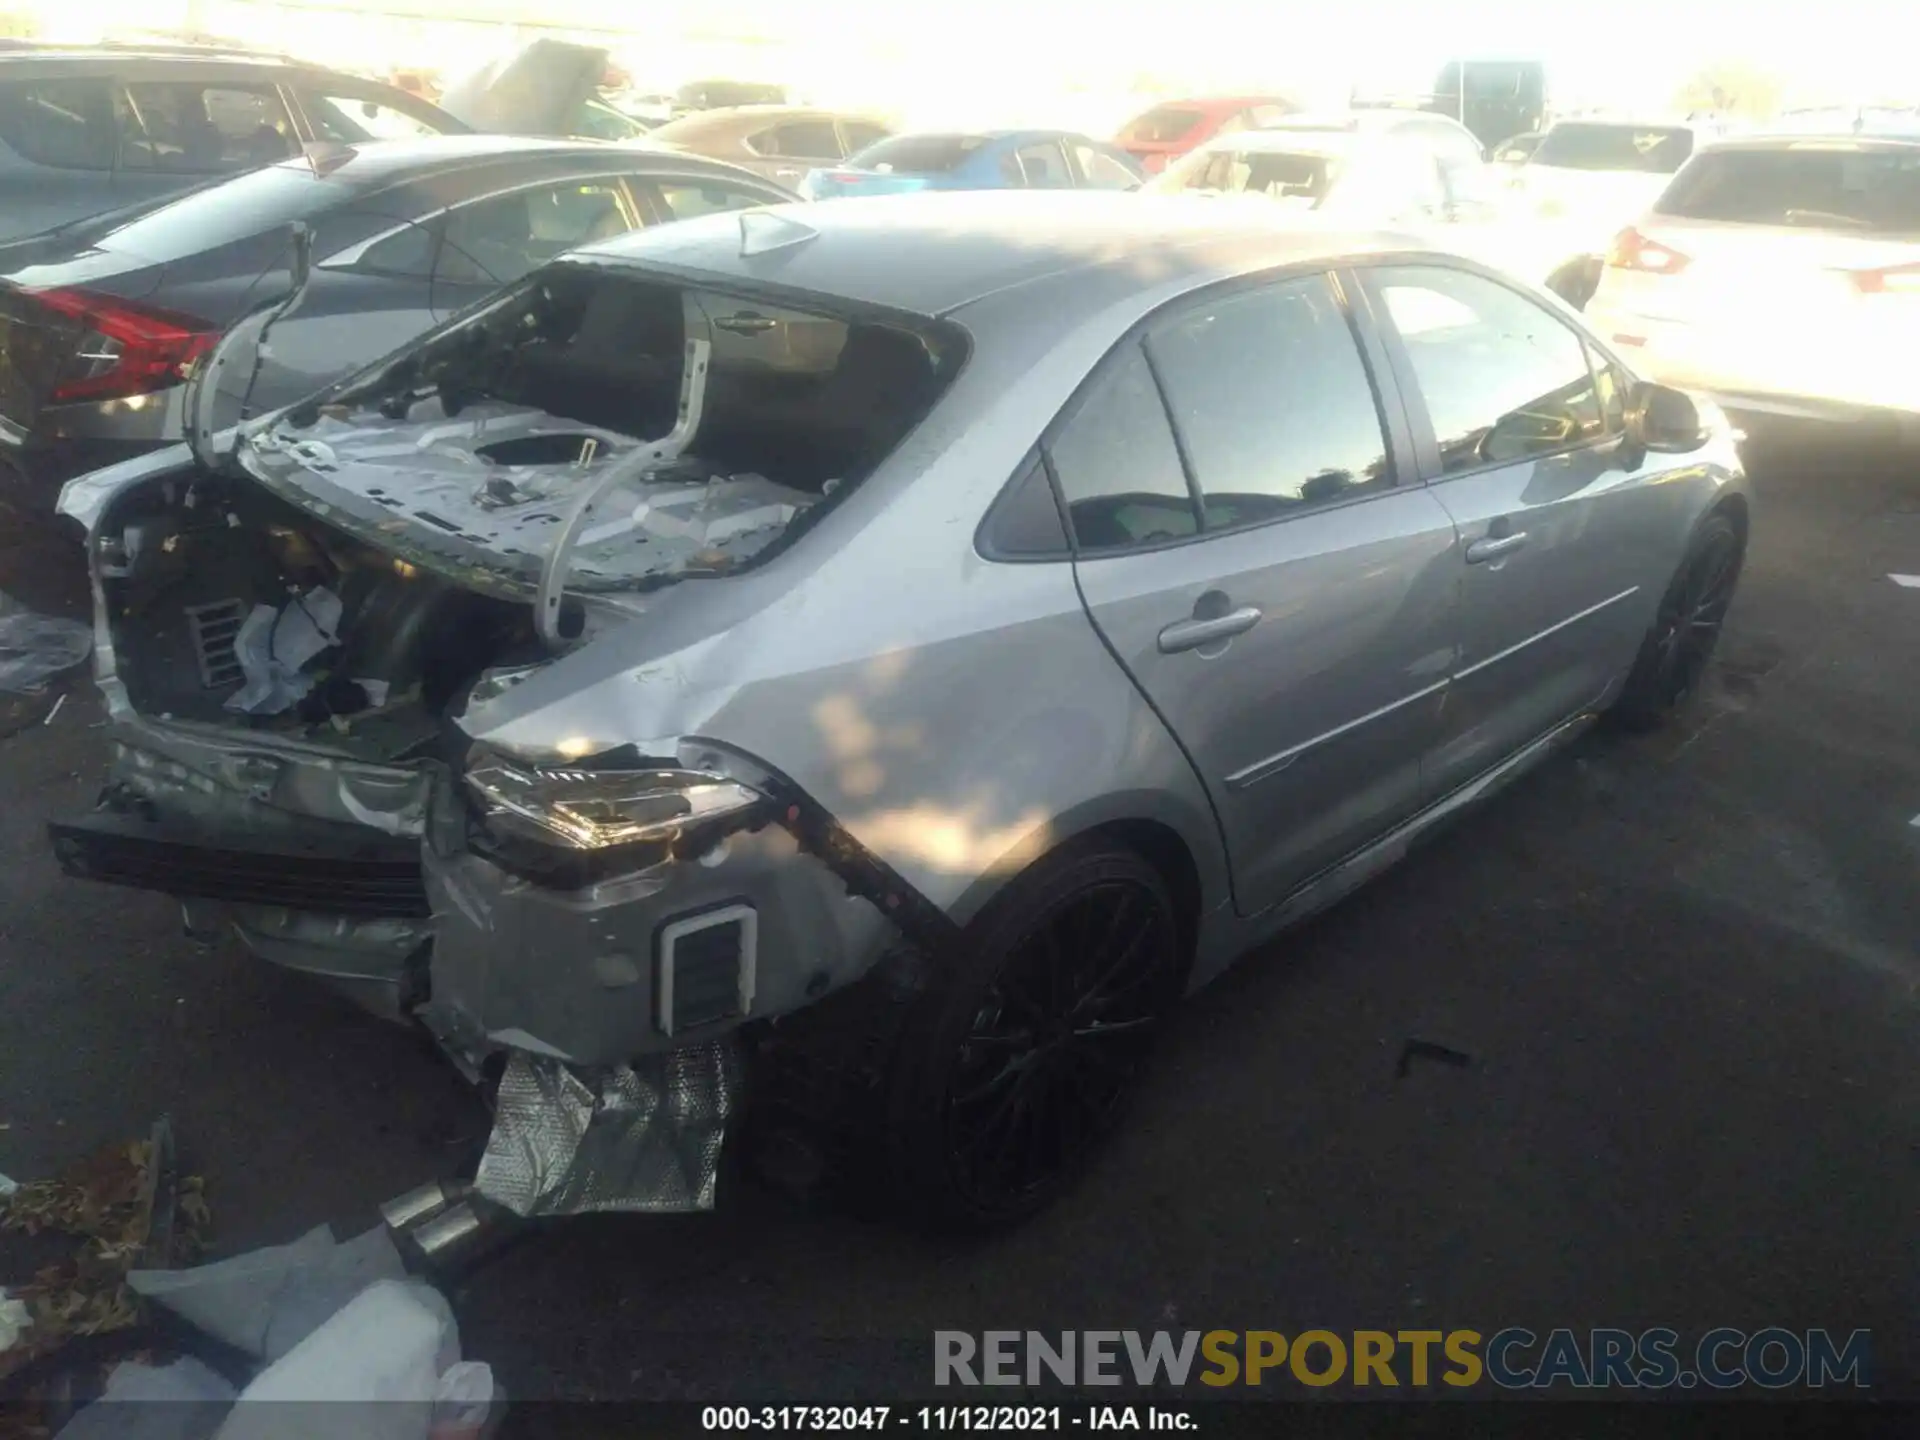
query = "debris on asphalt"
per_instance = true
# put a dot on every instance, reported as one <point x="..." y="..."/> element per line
<point x="54" y="711"/>
<point x="1426" y="1050"/>
<point x="183" y="1400"/>
<point x="15" y="1320"/>
<point x="127" y="1208"/>
<point x="267" y="1301"/>
<point x="34" y="648"/>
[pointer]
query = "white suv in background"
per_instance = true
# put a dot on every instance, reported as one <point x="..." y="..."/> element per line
<point x="1778" y="273"/>
<point x="1586" y="179"/>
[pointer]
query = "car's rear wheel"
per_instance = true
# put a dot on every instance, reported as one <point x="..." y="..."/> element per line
<point x="1018" y="1058"/>
<point x="1674" y="655"/>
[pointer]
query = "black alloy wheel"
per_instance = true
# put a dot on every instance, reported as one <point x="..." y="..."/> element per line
<point x="1062" y="1031"/>
<point x="1692" y="614"/>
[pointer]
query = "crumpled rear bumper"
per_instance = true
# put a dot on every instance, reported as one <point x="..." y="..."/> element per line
<point x="612" y="1007"/>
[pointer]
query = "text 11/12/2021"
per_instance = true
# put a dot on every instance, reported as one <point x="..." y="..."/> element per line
<point x="943" y="1418"/>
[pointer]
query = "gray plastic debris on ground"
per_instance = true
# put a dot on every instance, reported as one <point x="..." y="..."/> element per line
<point x="35" y="648"/>
<point x="267" y="1301"/>
<point x="644" y="1137"/>
<point x="181" y="1401"/>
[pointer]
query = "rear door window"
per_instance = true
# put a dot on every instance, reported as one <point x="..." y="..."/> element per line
<point x="1272" y="403"/>
<point x="1118" y="465"/>
<point x="66" y="124"/>
<point x="497" y="240"/>
<point x="1042" y="165"/>
<point x="195" y="129"/>
<point x="1815" y="186"/>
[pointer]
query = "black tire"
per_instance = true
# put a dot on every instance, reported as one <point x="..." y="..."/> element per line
<point x="1015" y="1060"/>
<point x="1666" y="674"/>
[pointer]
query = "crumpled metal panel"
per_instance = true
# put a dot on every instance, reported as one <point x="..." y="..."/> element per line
<point x="640" y="1137"/>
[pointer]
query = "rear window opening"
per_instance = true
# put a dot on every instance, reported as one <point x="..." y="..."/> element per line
<point x="1163" y="125"/>
<point x="919" y="154"/>
<point x="1814" y="186"/>
<point x="484" y="434"/>
<point x="221" y="210"/>
<point x="1637" y="149"/>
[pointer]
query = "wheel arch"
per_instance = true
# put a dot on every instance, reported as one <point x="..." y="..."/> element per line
<point x="1182" y="845"/>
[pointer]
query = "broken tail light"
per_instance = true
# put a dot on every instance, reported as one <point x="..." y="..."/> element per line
<point x="1633" y="251"/>
<point x="126" y="349"/>
<point x="1891" y="280"/>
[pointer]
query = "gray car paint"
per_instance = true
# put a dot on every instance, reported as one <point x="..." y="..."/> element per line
<point x="977" y="719"/>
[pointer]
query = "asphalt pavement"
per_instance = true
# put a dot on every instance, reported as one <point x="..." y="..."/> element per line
<point x="1683" y="969"/>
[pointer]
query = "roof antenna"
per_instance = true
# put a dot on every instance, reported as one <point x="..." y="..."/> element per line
<point x="762" y="232"/>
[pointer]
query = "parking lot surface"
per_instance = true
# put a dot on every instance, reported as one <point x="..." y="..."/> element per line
<point x="1683" y="967"/>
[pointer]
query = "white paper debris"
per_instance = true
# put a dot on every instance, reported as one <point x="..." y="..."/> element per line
<point x="272" y="646"/>
<point x="1907" y="582"/>
<point x="14" y="1320"/>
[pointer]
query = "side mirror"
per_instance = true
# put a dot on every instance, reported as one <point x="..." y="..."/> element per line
<point x="1664" y="421"/>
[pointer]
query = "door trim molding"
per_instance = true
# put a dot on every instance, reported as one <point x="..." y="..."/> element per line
<point x="1274" y="764"/>
<point x="1512" y="650"/>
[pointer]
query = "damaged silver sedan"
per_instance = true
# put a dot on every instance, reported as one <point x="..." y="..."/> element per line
<point x="887" y="652"/>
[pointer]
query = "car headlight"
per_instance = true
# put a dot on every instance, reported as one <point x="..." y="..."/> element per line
<point x="591" y="810"/>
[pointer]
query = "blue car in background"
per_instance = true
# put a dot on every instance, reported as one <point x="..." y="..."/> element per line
<point x="984" y="160"/>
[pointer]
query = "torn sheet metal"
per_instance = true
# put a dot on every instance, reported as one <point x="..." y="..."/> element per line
<point x="644" y="1137"/>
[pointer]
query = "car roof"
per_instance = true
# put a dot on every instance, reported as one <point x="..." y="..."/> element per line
<point x="394" y="162"/>
<point x="740" y="117"/>
<point x="94" y="56"/>
<point x="934" y="253"/>
<point x="1819" y="140"/>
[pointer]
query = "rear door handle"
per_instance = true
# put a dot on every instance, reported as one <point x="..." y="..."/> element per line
<point x="1192" y="634"/>
<point x="1492" y="547"/>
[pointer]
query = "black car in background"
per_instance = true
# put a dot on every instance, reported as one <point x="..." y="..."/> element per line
<point x="101" y="322"/>
<point x="92" y="129"/>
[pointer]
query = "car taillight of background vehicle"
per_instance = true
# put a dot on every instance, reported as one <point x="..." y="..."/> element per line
<point x="1894" y="280"/>
<point x="1633" y="251"/>
<point x="128" y="349"/>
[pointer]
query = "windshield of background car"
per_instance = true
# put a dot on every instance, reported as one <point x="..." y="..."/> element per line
<point x="1305" y="178"/>
<point x="249" y="204"/>
<point x="1163" y="125"/>
<point x="1643" y="149"/>
<point x="807" y="397"/>
<point x="919" y="154"/>
<point x="1832" y="187"/>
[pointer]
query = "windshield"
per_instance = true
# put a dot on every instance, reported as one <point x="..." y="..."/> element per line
<point x="921" y="154"/>
<point x="576" y="369"/>
<point x="1812" y="186"/>
<point x="1641" y="149"/>
<point x="249" y="204"/>
<point x="1280" y="175"/>
<point x="1162" y="125"/>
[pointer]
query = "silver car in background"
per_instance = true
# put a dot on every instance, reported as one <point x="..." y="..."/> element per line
<point x="909" y="641"/>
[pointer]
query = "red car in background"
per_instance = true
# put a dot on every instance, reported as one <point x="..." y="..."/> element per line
<point x="1173" y="127"/>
